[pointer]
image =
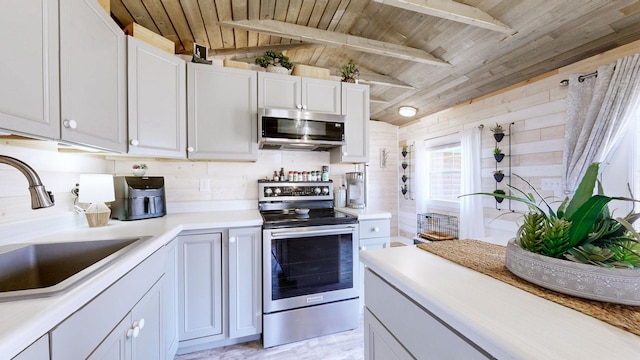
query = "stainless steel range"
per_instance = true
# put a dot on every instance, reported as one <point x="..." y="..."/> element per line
<point x="310" y="262"/>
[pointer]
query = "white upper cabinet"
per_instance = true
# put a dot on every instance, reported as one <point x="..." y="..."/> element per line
<point x="93" y="77"/>
<point x="298" y="93"/>
<point x="157" y="101"/>
<point x="29" y="81"/>
<point x="355" y="105"/>
<point x="222" y="113"/>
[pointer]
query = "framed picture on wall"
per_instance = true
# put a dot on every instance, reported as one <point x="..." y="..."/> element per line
<point x="200" y="54"/>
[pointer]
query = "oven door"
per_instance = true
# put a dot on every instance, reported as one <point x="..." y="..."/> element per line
<point x="306" y="266"/>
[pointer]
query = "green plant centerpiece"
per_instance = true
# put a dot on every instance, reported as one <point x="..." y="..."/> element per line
<point x="563" y="249"/>
<point x="273" y="59"/>
<point x="350" y="72"/>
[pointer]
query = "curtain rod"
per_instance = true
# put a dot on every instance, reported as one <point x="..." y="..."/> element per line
<point x="481" y="126"/>
<point x="581" y="78"/>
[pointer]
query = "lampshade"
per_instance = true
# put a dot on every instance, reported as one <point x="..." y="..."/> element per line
<point x="407" y="111"/>
<point x="96" y="188"/>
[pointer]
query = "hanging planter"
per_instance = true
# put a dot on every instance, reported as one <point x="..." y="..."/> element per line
<point x="404" y="178"/>
<point x="498" y="132"/>
<point x="404" y="164"/>
<point x="498" y="175"/>
<point x="497" y="154"/>
<point x="404" y="189"/>
<point x="499" y="194"/>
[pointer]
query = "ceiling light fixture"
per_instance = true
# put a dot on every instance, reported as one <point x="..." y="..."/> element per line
<point x="407" y="111"/>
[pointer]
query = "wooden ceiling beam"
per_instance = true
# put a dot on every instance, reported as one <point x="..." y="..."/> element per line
<point x="451" y="10"/>
<point x="329" y="38"/>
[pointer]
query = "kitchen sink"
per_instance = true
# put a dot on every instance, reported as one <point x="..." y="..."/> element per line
<point x="45" y="269"/>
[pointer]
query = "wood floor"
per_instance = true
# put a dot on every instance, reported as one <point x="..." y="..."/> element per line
<point x="348" y="345"/>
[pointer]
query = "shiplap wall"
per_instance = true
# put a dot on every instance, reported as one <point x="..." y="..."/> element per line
<point x="233" y="185"/>
<point x="537" y="110"/>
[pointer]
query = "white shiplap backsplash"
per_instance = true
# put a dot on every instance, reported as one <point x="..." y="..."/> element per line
<point x="232" y="185"/>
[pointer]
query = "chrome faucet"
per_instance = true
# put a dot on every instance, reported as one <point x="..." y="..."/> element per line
<point x="40" y="197"/>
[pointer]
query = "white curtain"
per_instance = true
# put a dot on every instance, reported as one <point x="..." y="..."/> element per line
<point x="471" y="225"/>
<point x="598" y="110"/>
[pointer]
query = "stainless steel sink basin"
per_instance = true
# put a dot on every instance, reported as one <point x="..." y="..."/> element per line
<point x="39" y="270"/>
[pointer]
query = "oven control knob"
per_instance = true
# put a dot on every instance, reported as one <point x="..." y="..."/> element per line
<point x="325" y="190"/>
<point x="277" y="191"/>
<point x="268" y="191"/>
<point x="317" y="191"/>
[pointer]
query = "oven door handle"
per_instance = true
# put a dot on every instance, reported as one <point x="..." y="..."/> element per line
<point x="312" y="232"/>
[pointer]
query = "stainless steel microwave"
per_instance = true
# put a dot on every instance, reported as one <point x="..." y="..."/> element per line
<point x="281" y="129"/>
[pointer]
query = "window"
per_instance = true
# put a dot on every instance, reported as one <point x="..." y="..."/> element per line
<point x="444" y="172"/>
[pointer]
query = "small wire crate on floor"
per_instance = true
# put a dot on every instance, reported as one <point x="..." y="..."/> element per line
<point x="435" y="227"/>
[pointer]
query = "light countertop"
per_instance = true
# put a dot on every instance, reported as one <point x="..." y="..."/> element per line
<point x="365" y="214"/>
<point x="503" y="320"/>
<point x="24" y="321"/>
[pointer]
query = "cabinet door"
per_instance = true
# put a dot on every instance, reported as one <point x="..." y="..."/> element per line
<point x="321" y="95"/>
<point x="147" y="315"/>
<point x="200" y="284"/>
<point x="114" y="346"/>
<point x="170" y="301"/>
<point x="379" y="343"/>
<point x="39" y="350"/>
<point x="279" y="91"/>
<point x="222" y="113"/>
<point x="245" y="282"/>
<point x="29" y="81"/>
<point x="93" y="77"/>
<point x="355" y="105"/>
<point x="157" y="101"/>
<point x="369" y="244"/>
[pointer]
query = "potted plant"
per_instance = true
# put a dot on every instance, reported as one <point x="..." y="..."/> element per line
<point x="578" y="243"/>
<point x="497" y="154"/>
<point x="499" y="195"/>
<point x="404" y="151"/>
<point x="274" y="62"/>
<point x="498" y="175"/>
<point x="139" y="169"/>
<point x="405" y="164"/>
<point x="350" y="72"/>
<point x="498" y="132"/>
<point x="404" y="189"/>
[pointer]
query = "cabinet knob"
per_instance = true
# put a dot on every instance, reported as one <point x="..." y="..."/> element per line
<point x="140" y="323"/>
<point x="304" y="107"/>
<point x="134" y="142"/>
<point x="363" y="247"/>
<point x="70" y="124"/>
<point x="190" y="149"/>
<point x="232" y="239"/>
<point x="375" y="229"/>
<point x="299" y="106"/>
<point x="133" y="332"/>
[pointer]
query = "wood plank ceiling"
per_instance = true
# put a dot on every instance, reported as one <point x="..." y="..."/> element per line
<point x="484" y="45"/>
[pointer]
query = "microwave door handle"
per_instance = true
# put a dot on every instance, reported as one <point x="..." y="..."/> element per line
<point x="312" y="232"/>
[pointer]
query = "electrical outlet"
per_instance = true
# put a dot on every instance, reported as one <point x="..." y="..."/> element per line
<point x="205" y="185"/>
<point x="551" y="184"/>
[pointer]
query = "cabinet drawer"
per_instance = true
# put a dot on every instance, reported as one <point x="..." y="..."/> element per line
<point x="375" y="228"/>
<point x="419" y="331"/>
<point x="82" y="332"/>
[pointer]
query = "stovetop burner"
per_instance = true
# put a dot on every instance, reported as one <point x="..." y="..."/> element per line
<point x="276" y="219"/>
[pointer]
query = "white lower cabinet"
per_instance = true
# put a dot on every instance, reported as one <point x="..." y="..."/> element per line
<point x="124" y="321"/>
<point x="39" y="350"/>
<point x="379" y="342"/>
<point x="220" y="287"/>
<point x="374" y="234"/>
<point x="138" y="335"/>
<point x="200" y="285"/>
<point x="406" y="330"/>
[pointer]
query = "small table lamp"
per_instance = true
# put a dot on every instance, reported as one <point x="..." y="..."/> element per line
<point x="96" y="189"/>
